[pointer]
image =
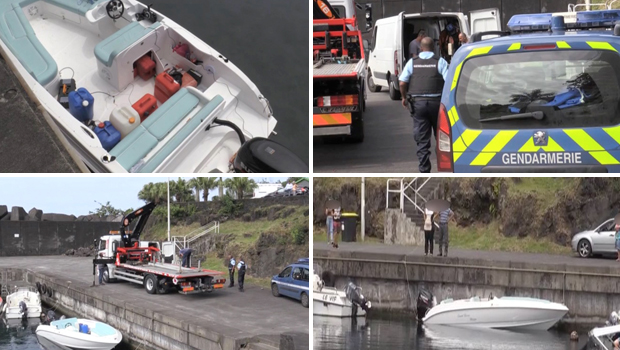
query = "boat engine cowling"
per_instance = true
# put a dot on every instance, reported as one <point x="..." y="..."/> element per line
<point x="425" y="302"/>
<point x="354" y="293"/>
<point x="23" y="308"/>
<point x="261" y="155"/>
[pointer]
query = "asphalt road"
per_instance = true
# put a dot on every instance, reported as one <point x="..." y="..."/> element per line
<point x="267" y="40"/>
<point x="255" y="312"/>
<point x="388" y="145"/>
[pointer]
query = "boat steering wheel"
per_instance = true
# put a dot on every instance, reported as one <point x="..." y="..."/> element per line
<point x="68" y="325"/>
<point x="115" y="9"/>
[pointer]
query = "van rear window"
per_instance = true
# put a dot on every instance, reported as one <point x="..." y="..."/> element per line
<point x="552" y="89"/>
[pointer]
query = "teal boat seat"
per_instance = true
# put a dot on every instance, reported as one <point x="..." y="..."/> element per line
<point x="77" y="6"/>
<point x="107" y="50"/>
<point x="134" y="147"/>
<point x="166" y="117"/>
<point x="176" y="140"/>
<point x="18" y="35"/>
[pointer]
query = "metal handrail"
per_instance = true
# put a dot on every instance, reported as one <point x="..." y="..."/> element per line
<point x="181" y="242"/>
<point x="404" y="186"/>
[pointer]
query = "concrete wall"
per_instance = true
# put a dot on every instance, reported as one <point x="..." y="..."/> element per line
<point x="48" y="237"/>
<point x="399" y="229"/>
<point x="392" y="282"/>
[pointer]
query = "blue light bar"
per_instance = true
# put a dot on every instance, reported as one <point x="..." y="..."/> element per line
<point x="530" y="22"/>
<point x="583" y="20"/>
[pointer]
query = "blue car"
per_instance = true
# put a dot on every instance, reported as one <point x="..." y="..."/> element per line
<point x="541" y="97"/>
<point x="293" y="282"/>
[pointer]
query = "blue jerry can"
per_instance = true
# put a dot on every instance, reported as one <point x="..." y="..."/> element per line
<point x="108" y="135"/>
<point x="81" y="104"/>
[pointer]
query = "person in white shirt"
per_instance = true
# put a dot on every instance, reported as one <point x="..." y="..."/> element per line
<point x="241" y="269"/>
<point x="429" y="231"/>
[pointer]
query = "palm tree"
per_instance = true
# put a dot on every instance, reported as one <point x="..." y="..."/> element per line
<point x="181" y="190"/>
<point x="195" y="185"/>
<point x="207" y="184"/>
<point x="153" y="192"/>
<point x="239" y="185"/>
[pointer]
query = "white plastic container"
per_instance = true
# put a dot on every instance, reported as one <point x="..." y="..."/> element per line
<point x="125" y="119"/>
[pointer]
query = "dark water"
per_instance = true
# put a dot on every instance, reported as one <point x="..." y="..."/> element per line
<point x="18" y="335"/>
<point x="380" y="334"/>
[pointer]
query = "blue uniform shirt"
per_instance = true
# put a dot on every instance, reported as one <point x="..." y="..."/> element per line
<point x="442" y="68"/>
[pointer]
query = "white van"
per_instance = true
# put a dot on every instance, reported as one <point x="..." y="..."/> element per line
<point x="392" y="35"/>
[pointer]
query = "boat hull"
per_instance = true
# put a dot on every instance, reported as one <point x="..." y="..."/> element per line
<point x="497" y="314"/>
<point x="334" y="305"/>
<point x="11" y="309"/>
<point x="78" y="341"/>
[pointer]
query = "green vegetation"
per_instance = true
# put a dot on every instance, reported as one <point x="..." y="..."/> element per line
<point x="488" y="237"/>
<point x="108" y="210"/>
<point x="547" y="190"/>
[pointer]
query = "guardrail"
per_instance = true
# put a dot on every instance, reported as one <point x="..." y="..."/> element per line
<point x="181" y="242"/>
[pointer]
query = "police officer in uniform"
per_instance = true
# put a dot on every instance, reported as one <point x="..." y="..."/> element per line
<point x="241" y="269"/>
<point x="421" y="83"/>
<point x="231" y="271"/>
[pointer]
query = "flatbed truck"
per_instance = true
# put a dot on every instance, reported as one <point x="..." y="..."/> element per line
<point x="126" y="258"/>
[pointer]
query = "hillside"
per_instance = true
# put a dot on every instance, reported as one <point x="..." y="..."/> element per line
<point x="510" y="214"/>
<point x="269" y="233"/>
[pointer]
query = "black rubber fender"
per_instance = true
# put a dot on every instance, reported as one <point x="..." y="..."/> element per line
<point x="328" y="278"/>
<point x="44" y="289"/>
<point x="50" y="291"/>
<point x="38" y="284"/>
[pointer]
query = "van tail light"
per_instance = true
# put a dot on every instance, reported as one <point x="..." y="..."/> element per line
<point x="444" y="141"/>
<point x="396" y="63"/>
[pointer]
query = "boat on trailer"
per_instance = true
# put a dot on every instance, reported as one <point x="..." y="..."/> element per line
<point x="133" y="91"/>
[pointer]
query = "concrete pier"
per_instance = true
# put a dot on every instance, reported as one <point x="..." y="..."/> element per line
<point x="224" y="320"/>
<point x="391" y="276"/>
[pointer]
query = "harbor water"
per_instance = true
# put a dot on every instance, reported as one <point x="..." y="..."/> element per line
<point x="395" y="334"/>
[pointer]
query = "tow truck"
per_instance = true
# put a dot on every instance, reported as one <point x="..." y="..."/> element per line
<point x="127" y="258"/>
<point x="338" y="72"/>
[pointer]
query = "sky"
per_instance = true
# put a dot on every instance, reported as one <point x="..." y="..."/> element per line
<point x="78" y="195"/>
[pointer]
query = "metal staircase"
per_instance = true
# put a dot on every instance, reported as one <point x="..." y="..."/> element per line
<point x="181" y="242"/>
<point x="411" y="195"/>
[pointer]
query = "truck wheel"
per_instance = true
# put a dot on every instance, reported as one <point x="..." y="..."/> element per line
<point x="150" y="284"/>
<point x="394" y="92"/>
<point x="274" y="290"/>
<point x="161" y="286"/>
<point x="357" y="132"/>
<point x="106" y="275"/>
<point x="304" y="300"/>
<point x="371" y="84"/>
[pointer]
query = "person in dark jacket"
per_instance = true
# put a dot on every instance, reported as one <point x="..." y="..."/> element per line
<point x="185" y="256"/>
<point x="241" y="268"/>
<point x="421" y="83"/>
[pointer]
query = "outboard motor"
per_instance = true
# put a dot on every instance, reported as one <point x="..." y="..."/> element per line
<point x="354" y="293"/>
<point x="261" y="155"/>
<point x="23" y="309"/>
<point x="425" y="302"/>
<point x="51" y="316"/>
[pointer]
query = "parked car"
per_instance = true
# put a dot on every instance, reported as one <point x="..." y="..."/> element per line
<point x="600" y="240"/>
<point x="293" y="282"/>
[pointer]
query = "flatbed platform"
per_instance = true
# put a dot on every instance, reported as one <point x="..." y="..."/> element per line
<point x="327" y="69"/>
<point x="170" y="270"/>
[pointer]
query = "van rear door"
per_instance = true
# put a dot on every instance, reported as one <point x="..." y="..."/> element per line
<point x="484" y="20"/>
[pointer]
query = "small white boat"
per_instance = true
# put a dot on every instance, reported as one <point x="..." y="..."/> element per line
<point x="329" y="301"/>
<point x="501" y="313"/>
<point x="149" y="93"/>
<point x="24" y="302"/>
<point x="83" y="334"/>
<point x="601" y="337"/>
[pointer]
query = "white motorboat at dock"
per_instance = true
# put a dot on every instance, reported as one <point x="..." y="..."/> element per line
<point x="24" y="302"/>
<point x="329" y="301"/>
<point x="81" y="334"/>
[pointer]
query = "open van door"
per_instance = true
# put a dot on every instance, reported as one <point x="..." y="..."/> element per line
<point x="485" y="20"/>
<point x="167" y="250"/>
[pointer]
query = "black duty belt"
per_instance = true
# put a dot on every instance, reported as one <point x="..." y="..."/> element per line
<point x="424" y="98"/>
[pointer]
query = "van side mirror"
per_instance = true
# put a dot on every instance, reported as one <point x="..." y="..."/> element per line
<point x="368" y="9"/>
<point x="366" y="44"/>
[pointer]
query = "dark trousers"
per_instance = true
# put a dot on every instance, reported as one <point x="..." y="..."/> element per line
<point x="101" y="269"/>
<point x="186" y="260"/>
<point x="443" y="237"/>
<point x="231" y="273"/>
<point x="241" y="278"/>
<point x="429" y="241"/>
<point x="424" y="115"/>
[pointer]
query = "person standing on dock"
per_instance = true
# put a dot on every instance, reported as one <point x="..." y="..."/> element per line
<point x="444" y="217"/>
<point x="330" y="225"/>
<point x="186" y="253"/>
<point x="429" y="231"/>
<point x="241" y="269"/>
<point x="101" y="269"/>
<point x="231" y="270"/>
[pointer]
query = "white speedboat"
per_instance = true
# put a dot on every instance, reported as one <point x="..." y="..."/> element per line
<point x="78" y="333"/>
<point x="601" y="337"/>
<point x="329" y="301"/>
<point x="133" y="91"/>
<point x="492" y="312"/>
<point x="24" y="302"/>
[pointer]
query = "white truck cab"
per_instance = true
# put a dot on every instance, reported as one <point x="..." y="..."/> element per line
<point x="389" y="48"/>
